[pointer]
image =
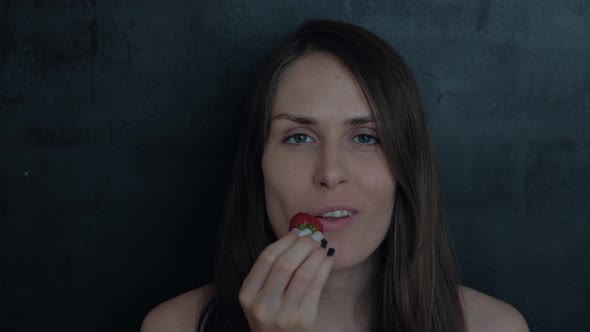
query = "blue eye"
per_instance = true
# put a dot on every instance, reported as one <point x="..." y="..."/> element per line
<point x="364" y="142"/>
<point x="367" y="139"/>
<point x="299" y="135"/>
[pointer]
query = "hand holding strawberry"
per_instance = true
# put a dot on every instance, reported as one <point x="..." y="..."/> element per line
<point x="283" y="288"/>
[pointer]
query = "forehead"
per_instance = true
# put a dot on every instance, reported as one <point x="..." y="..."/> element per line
<point x="318" y="81"/>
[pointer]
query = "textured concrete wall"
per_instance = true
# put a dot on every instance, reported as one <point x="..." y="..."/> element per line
<point x="118" y="123"/>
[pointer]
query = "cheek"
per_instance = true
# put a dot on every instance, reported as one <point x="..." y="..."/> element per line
<point x="281" y="175"/>
<point x="378" y="181"/>
<point x="282" y="188"/>
<point x="283" y="171"/>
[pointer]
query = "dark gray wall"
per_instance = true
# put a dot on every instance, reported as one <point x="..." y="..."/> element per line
<point x="118" y="124"/>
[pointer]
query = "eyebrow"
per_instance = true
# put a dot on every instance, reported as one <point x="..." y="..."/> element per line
<point x="307" y="120"/>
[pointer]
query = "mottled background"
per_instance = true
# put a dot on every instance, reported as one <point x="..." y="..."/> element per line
<point x="118" y="126"/>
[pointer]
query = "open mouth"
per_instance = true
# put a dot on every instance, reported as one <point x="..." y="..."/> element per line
<point x="331" y="218"/>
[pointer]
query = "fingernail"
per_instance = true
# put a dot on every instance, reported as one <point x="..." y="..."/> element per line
<point x="324" y="243"/>
<point x="304" y="232"/>
<point x="331" y="252"/>
<point x="318" y="236"/>
<point x="295" y="230"/>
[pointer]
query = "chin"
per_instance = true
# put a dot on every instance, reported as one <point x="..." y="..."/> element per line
<point x="350" y="259"/>
<point x="344" y="261"/>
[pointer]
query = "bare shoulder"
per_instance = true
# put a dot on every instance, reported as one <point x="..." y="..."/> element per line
<point x="484" y="313"/>
<point x="178" y="314"/>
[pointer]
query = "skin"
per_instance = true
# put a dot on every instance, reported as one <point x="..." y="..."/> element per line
<point x="329" y="167"/>
<point x="483" y="313"/>
<point x="328" y="163"/>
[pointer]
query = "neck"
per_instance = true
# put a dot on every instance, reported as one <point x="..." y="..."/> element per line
<point x="343" y="299"/>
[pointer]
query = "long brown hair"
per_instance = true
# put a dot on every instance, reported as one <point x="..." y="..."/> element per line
<point x="415" y="286"/>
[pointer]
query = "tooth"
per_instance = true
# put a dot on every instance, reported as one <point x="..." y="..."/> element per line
<point x="337" y="214"/>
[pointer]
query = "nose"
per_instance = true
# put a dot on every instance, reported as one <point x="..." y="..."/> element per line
<point x="331" y="170"/>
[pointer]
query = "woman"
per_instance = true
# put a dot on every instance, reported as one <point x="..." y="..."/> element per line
<point x="335" y="123"/>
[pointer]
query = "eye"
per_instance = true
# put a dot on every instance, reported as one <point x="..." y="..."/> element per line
<point x="366" y="139"/>
<point x="297" y="138"/>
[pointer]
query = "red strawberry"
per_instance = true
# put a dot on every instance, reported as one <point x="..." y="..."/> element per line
<point x="304" y="220"/>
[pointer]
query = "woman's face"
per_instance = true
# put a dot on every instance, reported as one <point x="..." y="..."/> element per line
<point x="328" y="164"/>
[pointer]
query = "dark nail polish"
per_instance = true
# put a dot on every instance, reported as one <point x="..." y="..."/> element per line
<point x="331" y="252"/>
<point x="324" y="243"/>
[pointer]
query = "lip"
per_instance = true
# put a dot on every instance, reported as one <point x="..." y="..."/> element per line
<point x="336" y="225"/>
<point x="322" y="210"/>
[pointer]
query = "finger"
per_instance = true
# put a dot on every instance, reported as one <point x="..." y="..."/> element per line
<point x="285" y="265"/>
<point x="301" y="280"/>
<point x="259" y="271"/>
<point x="311" y="298"/>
